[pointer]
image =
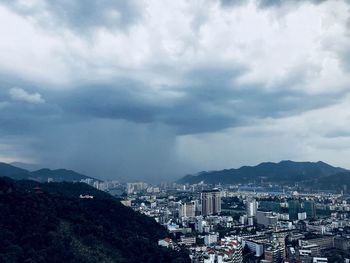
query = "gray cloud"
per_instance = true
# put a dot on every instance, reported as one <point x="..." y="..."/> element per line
<point x="271" y="3"/>
<point x="22" y="95"/>
<point x="124" y="129"/>
<point x="110" y="149"/>
<point x="55" y="134"/>
<point x="230" y="3"/>
<point x="79" y="15"/>
<point x="267" y="3"/>
<point x="208" y="103"/>
<point x="200" y="110"/>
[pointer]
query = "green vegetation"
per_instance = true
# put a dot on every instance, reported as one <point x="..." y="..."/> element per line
<point x="339" y="181"/>
<point x="233" y="203"/>
<point x="336" y="255"/>
<point x="58" y="226"/>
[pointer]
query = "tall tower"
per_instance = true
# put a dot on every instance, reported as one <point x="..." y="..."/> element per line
<point x="293" y="209"/>
<point x="251" y="207"/>
<point x="310" y="209"/>
<point x="216" y="202"/>
<point x="211" y="202"/>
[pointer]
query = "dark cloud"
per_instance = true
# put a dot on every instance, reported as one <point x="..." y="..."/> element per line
<point x="110" y="149"/>
<point x="56" y="134"/>
<point x="126" y="131"/>
<point x="209" y="102"/>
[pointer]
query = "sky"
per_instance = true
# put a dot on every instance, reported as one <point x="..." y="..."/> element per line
<point x="153" y="90"/>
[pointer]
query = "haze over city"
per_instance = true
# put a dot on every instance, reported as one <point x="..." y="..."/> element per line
<point x="157" y="89"/>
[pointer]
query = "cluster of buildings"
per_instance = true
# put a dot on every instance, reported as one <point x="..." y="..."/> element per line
<point x="227" y="249"/>
<point x="102" y="185"/>
<point x="237" y="224"/>
<point x="232" y="225"/>
<point x="209" y="204"/>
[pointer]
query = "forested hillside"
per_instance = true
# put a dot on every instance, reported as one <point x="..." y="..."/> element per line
<point x="39" y="226"/>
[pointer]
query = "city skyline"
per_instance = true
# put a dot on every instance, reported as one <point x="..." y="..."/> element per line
<point x="187" y="131"/>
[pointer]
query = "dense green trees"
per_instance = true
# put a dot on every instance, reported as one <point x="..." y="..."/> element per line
<point x="57" y="226"/>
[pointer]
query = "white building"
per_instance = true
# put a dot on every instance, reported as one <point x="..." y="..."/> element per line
<point x="302" y="216"/>
<point x="251" y="207"/>
<point x="187" y="209"/>
<point x="211" y="239"/>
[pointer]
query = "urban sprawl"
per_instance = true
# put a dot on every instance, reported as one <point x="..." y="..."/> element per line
<point x="244" y="223"/>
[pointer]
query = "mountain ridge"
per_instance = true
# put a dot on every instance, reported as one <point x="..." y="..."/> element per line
<point x="285" y="171"/>
<point x="41" y="175"/>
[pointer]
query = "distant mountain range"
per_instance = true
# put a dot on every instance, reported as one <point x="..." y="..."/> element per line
<point x="27" y="166"/>
<point x="42" y="175"/>
<point x="284" y="172"/>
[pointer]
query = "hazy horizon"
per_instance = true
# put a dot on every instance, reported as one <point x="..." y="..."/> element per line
<point x="35" y="167"/>
<point x="154" y="90"/>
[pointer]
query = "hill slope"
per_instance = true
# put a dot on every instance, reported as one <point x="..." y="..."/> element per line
<point x="42" y="175"/>
<point x="45" y="227"/>
<point x="27" y="166"/>
<point x="282" y="172"/>
<point x="58" y="175"/>
<point x="338" y="181"/>
<point x="13" y="171"/>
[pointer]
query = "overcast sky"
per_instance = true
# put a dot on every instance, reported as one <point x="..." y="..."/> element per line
<point x="156" y="89"/>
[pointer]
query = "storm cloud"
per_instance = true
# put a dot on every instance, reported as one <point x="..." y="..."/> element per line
<point x="153" y="90"/>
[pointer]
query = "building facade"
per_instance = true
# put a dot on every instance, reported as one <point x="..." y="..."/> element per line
<point x="211" y="202"/>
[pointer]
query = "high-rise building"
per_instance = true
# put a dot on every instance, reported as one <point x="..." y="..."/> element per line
<point x="211" y="202"/>
<point x="266" y="218"/>
<point x="310" y="209"/>
<point x="243" y="219"/>
<point x="188" y="209"/>
<point x="251" y="207"/>
<point x="293" y="209"/>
